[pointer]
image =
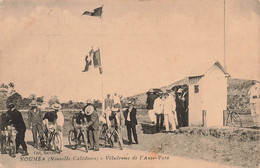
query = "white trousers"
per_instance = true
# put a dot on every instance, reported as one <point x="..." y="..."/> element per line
<point x="152" y="115"/>
<point x="169" y="120"/>
<point x="255" y="113"/>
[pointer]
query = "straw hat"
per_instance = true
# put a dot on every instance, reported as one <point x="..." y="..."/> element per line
<point x="151" y="91"/>
<point x="89" y="110"/>
<point x="130" y="102"/>
<point x="56" y="106"/>
<point x="89" y="101"/>
<point x="180" y="90"/>
<point x="114" y="109"/>
<point x="33" y="103"/>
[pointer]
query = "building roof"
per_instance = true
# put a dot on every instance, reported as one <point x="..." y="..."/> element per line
<point x="204" y="68"/>
<point x="198" y="73"/>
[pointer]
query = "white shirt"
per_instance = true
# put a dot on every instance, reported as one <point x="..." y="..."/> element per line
<point x="254" y="93"/>
<point x="169" y="105"/>
<point x="117" y="100"/>
<point x="158" y="106"/>
<point x="128" y="115"/>
<point x="60" y="118"/>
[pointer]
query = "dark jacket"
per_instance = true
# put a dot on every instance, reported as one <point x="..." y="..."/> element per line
<point x="5" y="120"/>
<point x="132" y="116"/>
<point x="93" y="121"/>
<point x="150" y="100"/>
<point x="16" y="119"/>
<point x="51" y="116"/>
<point x="35" y="118"/>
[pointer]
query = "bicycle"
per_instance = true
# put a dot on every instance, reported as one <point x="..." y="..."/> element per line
<point x="75" y="141"/>
<point x="8" y="137"/>
<point x="110" y="137"/>
<point x="52" y="139"/>
<point x="233" y="118"/>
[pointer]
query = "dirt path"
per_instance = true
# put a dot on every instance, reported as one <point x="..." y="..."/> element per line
<point x="106" y="157"/>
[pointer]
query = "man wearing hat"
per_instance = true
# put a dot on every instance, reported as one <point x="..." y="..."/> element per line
<point x="19" y="125"/>
<point x="35" y="121"/>
<point x="7" y="131"/>
<point x="59" y="120"/>
<point x="131" y="122"/>
<point x="254" y="98"/>
<point x="151" y="96"/>
<point x="180" y="107"/>
<point x="93" y="127"/>
<point x="158" y="110"/>
<point x="108" y="102"/>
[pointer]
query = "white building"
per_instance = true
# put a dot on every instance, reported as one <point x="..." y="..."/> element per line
<point x="207" y="96"/>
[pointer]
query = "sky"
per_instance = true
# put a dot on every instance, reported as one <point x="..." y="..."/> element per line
<point x="144" y="44"/>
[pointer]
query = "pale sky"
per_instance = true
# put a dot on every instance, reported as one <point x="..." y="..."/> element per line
<point x="143" y="44"/>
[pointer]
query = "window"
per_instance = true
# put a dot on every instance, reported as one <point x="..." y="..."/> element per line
<point x="196" y="88"/>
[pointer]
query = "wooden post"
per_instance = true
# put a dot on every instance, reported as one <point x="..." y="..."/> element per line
<point x="204" y="118"/>
<point x="225" y="114"/>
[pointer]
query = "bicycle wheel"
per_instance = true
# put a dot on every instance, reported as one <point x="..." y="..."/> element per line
<point x="57" y="142"/>
<point x="117" y="140"/>
<point x="73" y="139"/>
<point x="236" y="120"/>
<point x="103" y="136"/>
<point x="39" y="142"/>
<point x="229" y="120"/>
<point x="85" y="140"/>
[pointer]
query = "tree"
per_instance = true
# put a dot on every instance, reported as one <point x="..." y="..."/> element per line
<point x="53" y="100"/>
<point x="40" y="99"/>
<point x="32" y="97"/>
<point x="16" y="99"/>
<point x="11" y="84"/>
<point x="25" y="103"/>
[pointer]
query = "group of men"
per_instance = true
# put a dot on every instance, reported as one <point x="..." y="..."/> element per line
<point x="162" y="109"/>
<point x="40" y="125"/>
<point x="12" y="121"/>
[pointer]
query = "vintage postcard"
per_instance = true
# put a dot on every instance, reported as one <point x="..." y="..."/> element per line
<point x="129" y="83"/>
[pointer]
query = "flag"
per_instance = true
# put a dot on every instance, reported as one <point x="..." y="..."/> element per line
<point x="88" y="63"/>
<point x="97" y="12"/>
<point x="100" y="70"/>
<point x="91" y="53"/>
<point x="96" y="59"/>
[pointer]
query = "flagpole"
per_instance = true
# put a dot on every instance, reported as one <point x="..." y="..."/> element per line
<point x="101" y="62"/>
<point x="225" y="66"/>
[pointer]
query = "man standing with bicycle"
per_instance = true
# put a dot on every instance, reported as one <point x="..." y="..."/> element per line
<point x="7" y="132"/>
<point x="93" y="127"/>
<point x="59" y="121"/>
<point x="78" y="121"/>
<point x="35" y="122"/>
<point x="19" y="125"/>
<point x="254" y="96"/>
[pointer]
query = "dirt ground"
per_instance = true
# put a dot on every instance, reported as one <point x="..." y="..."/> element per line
<point x="235" y="146"/>
<point x="235" y="152"/>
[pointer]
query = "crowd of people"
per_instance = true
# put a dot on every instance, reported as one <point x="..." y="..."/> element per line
<point x="162" y="109"/>
<point x="13" y="125"/>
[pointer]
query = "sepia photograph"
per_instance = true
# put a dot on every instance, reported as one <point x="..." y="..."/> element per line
<point x="130" y="83"/>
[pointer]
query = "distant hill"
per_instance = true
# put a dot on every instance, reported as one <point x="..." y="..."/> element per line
<point x="237" y="94"/>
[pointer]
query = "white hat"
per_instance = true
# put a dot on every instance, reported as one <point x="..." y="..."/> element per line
<point x="89" y="101"/>
<point x="114" y="109"/>
<point x="180" y="90"/>
<point x="56" y="106"/>
<point x="33" y="103"/>
<point x="89" y="110"/>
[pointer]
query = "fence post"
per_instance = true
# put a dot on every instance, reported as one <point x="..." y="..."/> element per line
<point x="225" y="112"/>
<point x="204" y="118"/>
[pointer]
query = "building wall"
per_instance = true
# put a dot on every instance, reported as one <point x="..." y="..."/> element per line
<point x="195" y="115"/>
<point x="214" y="96"/>
<point x="211" y="97"/>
